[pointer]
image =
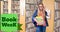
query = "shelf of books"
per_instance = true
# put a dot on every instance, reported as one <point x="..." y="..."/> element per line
<point x="57" y="16"/>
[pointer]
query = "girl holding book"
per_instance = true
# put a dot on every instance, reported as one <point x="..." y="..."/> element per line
<point x="39" y="18"/>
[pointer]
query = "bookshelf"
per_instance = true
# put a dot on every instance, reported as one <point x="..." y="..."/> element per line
<point x="5" y="6"/>
<point x="57" y="16"/>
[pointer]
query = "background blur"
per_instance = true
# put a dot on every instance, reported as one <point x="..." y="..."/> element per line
<point x="12" y="6"/>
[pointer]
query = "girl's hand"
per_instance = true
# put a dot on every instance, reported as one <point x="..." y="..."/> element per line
<point x="35" y="19"/>
<point x="40" y="23"/>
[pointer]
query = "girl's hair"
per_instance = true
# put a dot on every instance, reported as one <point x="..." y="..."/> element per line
<point x="40" y="4"/>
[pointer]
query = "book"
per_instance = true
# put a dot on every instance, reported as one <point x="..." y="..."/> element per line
<point x="39" y="18"/>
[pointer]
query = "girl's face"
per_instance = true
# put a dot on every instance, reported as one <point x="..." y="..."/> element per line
<point x="40" y="7"/>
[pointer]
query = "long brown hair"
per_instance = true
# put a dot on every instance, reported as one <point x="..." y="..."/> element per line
<point x="39" y="10"/>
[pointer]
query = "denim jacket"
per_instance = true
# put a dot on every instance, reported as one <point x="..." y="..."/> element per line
<point x="35" y="14"/>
